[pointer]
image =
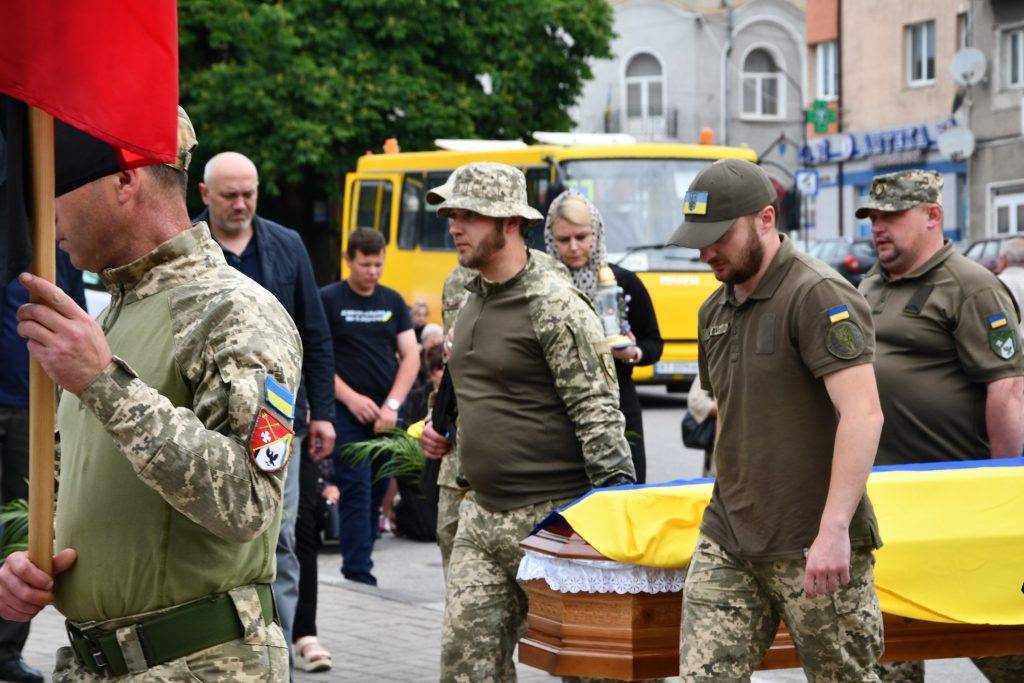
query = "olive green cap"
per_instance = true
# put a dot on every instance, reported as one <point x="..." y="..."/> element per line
<point x="901" y="191"/>
<point x="724" y="191"/>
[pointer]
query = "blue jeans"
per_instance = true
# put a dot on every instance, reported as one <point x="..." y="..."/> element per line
<point x="354" y="507"/>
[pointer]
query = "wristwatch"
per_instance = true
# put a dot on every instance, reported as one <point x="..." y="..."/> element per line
<point x="392" y="404"/>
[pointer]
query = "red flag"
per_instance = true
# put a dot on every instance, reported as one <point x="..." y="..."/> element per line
<point x="106" y="67"/>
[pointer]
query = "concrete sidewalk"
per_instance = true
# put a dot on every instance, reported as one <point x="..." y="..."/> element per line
<point x="393" y="632"/>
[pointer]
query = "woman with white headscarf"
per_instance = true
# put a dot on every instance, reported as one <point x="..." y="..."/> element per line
<point x="574" y="234"/>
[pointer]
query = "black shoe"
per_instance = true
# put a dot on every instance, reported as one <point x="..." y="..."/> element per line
<point x="15" y="669"/>
<point x="368" y="579"/>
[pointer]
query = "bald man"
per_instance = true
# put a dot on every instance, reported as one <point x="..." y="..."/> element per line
<point x="275" y="257"/>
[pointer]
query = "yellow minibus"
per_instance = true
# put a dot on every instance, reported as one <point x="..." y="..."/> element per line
<point x="637" y="187"/>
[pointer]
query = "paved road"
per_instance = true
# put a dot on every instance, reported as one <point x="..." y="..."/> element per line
<point x="392" y="633"/>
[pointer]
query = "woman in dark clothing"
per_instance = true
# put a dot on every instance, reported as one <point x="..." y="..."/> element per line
<point x="574" y="234"/>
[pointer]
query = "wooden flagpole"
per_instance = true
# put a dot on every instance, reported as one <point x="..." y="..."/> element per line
<point x="42" y="392"/>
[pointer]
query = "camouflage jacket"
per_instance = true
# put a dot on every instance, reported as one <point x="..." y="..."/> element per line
<point x="161" y="490"/>
<point x="453" y="296"/>
<point x="537" y="393"/>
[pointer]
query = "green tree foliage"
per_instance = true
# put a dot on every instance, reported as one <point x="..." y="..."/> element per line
<point x="306" y="86"/>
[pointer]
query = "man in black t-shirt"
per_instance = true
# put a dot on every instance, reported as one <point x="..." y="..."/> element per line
<point x="376" y="359"/>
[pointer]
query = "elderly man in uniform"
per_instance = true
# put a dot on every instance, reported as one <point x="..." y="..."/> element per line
<point x="539" y="423"/>
<point x="948" y="364"/>
<point x="785" y="347"/>
<point x="175" y="424"/>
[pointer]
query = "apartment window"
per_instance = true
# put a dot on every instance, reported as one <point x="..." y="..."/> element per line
<point x="828" y="71"/>
<point x="921" y="53"/>
<point x="1008" y="210"/>
<point x="963" y="38"/>
<point x="1013" y="59"/>
<point x="644" y="87"/>
<point x="762" y="85"/>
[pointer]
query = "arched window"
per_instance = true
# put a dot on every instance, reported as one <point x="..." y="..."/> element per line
<point x="763" y="86"/>
<point x="645" y="88"/>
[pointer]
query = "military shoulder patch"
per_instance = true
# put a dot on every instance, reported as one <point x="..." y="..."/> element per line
<point x="845" y="339"/>
<point x="838" y="313"/>
<point x="1003" y="340"/>
<point x="279" y="398"/>
<point x="695" y="203"/>
<point x="271" y="442"/>
<point x="996" y="321"/>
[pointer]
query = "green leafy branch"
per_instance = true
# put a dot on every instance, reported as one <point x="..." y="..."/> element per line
<point x="14" y="519"/>
<point x="401" y="454"/>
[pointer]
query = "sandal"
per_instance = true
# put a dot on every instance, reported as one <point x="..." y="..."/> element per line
<point x="310" y="655"/>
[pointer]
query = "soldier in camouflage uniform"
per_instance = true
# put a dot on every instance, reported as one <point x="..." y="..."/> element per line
<point x="538" y="418"/>
<point x="175" y="424"/>
<point x="785" y="346"/>
<point x="453" y="296"/>
<point x="948" y="367"/>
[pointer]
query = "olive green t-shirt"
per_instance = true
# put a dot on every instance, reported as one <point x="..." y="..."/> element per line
<point x="764" y="360"/>
<point x="943" y="332"/>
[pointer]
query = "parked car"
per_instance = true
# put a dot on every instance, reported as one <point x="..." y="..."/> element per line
<point x="850" y="259"/>
<point x="986" y="251"/>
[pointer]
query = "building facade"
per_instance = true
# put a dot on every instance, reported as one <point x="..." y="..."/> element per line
<point x="996" y="170"/>
<point x="884" y="69"/>
<point x="738" y="68"/>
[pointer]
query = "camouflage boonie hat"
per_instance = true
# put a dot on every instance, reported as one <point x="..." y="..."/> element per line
<point x="489" y="189"/>
<point x="186" y="141"/>
<point x="441" y="193"/>
<point x="901" y="191"/>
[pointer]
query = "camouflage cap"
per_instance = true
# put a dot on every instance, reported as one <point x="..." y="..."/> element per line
<point x="489" y="189"/>
<point x="186" y="141"/>
<point x="901" y="191"/>
<point x="724" y="191"/>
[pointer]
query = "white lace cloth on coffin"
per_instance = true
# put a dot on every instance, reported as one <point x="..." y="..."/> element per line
<point x="599" y="576"/>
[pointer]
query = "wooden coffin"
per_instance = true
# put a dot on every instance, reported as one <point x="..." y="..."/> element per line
<point x="632" y="637"/>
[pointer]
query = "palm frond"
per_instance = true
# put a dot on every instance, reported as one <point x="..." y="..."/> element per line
<point x="400" y="452"/>
<point x="14" y="519"/>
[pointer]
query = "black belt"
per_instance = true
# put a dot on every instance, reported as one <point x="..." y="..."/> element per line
<point x="173" y="634"/>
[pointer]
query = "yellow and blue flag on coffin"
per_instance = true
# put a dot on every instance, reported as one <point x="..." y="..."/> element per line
<point x="837" y="313"/>
<point x="695" y="203"/>
<point x="997" y="320"/>
<point x="954" y="540"/>
<point x="282" y="400"/>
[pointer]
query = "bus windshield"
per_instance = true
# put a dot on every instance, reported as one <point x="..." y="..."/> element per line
<point x="641" y="202"/>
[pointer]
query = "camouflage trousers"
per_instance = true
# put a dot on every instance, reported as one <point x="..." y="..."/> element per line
<point x="447" y="520"/>
<point x="732" y="608"/>
<point x="485" y="608"/>
<point x="261" y="654"/>
<point x="1008" y="669"/>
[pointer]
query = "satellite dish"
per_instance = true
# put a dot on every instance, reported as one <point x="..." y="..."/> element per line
<point x="968" y="66"/>
<point x="956" y="143"/>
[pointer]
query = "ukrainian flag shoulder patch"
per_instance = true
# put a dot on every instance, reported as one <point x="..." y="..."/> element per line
<point x="837" y="313"/>
<point x="996" y="320"/>
<point x="695" y="203"/>
<point x="279" y="398"/>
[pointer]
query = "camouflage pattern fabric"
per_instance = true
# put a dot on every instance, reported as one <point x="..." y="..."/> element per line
<point x="996" y="669"/>
<point x="223" y="327"/>
<point x="901" y="191"/>
<point x="233" y="662"/>
<point x="453" y="296"/>
<point x="576" y="350"/>
<point x="732" y="608"/>
<point x="485" y="608"/>
<point x="448" y="501"/>
<point x="489" y="189"/>
<point x="186" y="142"/>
